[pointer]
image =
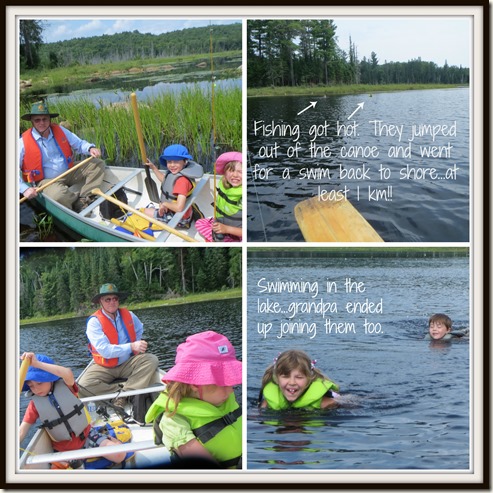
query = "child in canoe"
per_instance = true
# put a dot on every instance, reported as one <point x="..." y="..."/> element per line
<point x="292" y="381"/>
<point x="177" y="183"/>
<point x="61" y="412"/>
<point x="197" y="416"/>
<point x="227" y="224"/>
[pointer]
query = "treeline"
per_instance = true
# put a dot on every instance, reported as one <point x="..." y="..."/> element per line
<point x="64" y="280"/>
<point x="305" y="52"/>
<point x="135" y="45"/>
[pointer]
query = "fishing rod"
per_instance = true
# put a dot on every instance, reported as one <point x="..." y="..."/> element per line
<point x="215" y="236"/>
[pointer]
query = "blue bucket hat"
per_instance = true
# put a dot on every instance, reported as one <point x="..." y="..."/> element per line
<point x="38" y="375"/>
<point x="175" y="152"/>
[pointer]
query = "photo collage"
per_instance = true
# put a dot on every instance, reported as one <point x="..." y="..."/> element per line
<point x="246" y="246"/>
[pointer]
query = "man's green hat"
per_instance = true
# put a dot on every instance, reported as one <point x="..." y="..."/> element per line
<point x="106" y="289"/>
<point x="37" y="109"/>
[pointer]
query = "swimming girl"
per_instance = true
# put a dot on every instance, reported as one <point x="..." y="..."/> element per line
<point x="292" y="381"/>
<point x="227" y="224"/>
<point x="197" y="416"/>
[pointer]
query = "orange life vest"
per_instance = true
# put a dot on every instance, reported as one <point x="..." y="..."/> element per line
<point x="112" y="334"/>
<point x="32" y="165"/>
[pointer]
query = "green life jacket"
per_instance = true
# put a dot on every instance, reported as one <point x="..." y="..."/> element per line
<point x="229" y="205"/>
<point x="62" y="414"/>
<point x="311" y="398"/>
<point x="192" y="171"/>
<point x="218" y="429"/>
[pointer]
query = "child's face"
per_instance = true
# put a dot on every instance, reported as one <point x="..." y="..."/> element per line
<point x="293" y="384"/>
<point x="438" y="329"/>
<point x="234" y="176"/>
<point x="213" y="394"/>
<point x="39" y="388"/>
<point x="175" y="166"/>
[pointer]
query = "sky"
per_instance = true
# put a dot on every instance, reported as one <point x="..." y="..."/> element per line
<point x="61" y="30"/>
<point x="396" y="39"/>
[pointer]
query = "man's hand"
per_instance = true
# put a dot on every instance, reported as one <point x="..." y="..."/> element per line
<point x="30" y="193"/>
<point x="139" y="347"/>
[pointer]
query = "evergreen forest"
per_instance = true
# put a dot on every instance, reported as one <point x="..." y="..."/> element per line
<point x="64" y="280"/>
<point x="305" y="52"/>
<point x="134" y="45"/>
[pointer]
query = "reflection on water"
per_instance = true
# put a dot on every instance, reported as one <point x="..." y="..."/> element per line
<point x="398" y="204"/>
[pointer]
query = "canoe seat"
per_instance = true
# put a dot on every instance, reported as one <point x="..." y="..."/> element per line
<point x="110" y="191"/>
<point x="179" y="215"/>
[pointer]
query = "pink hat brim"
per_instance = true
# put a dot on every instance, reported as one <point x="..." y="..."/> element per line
<point x="221" y="373"/>
<point x="226" y="158"/>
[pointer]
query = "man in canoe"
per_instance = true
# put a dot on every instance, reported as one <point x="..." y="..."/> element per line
<point x="46" y="151"/>
<point x="121" y="360"/>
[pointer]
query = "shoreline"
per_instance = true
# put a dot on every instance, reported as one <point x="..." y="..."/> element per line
<point x="342" y="90"/>
<point x="183" y="300"/>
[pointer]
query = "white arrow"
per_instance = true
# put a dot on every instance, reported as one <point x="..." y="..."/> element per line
<point x="360" y="107"/>
<point x="312" y="105"/>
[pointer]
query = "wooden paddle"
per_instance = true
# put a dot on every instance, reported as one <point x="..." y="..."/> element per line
<point x="23" y="372"/>
<point x="149" y="182"/>
<point x="65" y="173"/>
<point x="97" y="191"/>
<point x="333" y="220"/>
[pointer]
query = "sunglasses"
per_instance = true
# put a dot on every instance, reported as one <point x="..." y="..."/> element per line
<point x="112" y="298"/>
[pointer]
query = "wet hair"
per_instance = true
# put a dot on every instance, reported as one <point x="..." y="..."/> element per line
<point x="441" y="317"/>
<point x="286" y="362"/>
<point x="176" y="391"/>
<point x="230" y="166"/>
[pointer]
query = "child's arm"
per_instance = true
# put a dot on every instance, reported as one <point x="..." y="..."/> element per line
<point x="176" y="206"/>
<point x="159" y="174"/>
<point x="23" y="429"/>
<point x="194" y="448"/>
<point x="223" y="229"/>
<point x="328" y="403"/>
<point x="60" y="371"/>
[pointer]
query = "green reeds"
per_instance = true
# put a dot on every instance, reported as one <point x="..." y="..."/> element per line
<point x="184" y="118"/>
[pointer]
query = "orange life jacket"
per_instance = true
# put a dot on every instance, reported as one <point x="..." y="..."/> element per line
<point x="32" y="165"/>
<point x="112" y="334"/>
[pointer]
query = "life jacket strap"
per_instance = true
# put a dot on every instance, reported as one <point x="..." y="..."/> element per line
<point x="210" y="430"/>
<point x="63" y="419"/>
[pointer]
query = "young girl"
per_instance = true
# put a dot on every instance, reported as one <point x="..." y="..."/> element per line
<point x="197" y="416"/>
<point x="292" y="381"/>
<point x="177" y="184"/>
<point x="227" y="225"/>
<point x="55" y="403"/>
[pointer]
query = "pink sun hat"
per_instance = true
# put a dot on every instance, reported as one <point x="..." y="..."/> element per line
<point x="226" y="158"/>
<point x="206" y="358"/>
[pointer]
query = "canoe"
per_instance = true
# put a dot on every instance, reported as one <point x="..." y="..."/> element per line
<point x="91" y="225"/>
<point x="146" y="455"/>
<point x="333" y="221"/>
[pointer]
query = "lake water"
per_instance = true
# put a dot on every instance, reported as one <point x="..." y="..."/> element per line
<point x="405" y="400"/>
<point x="393" y="195"/>
<point x="164" y="329"/>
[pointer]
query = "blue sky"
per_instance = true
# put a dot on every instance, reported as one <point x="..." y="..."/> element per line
<point x="396" y="39"/>
<point x="60" y="30"/>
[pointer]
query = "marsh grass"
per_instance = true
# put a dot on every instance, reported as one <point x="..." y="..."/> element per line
<point x="184" y="118"/>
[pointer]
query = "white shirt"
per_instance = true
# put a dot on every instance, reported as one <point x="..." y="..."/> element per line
<point x="53" y="159"/>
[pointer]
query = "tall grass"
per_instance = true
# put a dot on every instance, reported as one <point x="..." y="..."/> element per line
<point x="184" y="118"/>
